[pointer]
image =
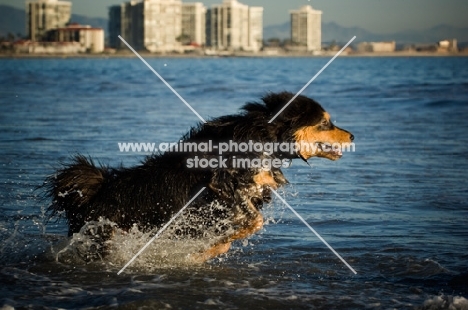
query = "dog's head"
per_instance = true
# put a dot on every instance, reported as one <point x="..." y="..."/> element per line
<point x="303" y="123"/>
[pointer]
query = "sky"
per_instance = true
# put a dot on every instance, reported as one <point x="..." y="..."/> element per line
<point x="378" y="16"/>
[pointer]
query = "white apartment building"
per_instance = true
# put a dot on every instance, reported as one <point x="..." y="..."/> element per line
<point x="255" y="28"/>
<point x="44" y="15"/>
<point x="194" y="22"/>
<point x="306" y="28"/>
<point x="235" y="26"/>
<point x="154" y="25"/>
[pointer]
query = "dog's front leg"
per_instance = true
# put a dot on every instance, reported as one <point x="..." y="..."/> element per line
<point x="212" y="252"/>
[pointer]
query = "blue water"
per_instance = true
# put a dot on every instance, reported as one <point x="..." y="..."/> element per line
<point x="396" y="209"/>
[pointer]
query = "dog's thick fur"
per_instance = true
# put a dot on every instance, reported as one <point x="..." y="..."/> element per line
<point x="148" y="195"/>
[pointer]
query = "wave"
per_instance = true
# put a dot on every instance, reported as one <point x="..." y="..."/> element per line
<point x="445" y="302"/>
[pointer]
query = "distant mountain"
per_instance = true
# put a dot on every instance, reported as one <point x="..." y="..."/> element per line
<point x="13" y="20"/>
<point x="433" y="34"/>
<point x="96" y="22"/>
<point x="333" y="32"/>
<point x="281" y="31"/>
<point x="330" y="32"/>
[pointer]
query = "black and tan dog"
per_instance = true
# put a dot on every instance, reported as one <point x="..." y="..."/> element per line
<point x="149" y="195"/>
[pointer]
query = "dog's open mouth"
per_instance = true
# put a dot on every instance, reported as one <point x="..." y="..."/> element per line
<point x="329" y="151"/>
<point x="257" y="202"/>
<point x="264" y="196"/>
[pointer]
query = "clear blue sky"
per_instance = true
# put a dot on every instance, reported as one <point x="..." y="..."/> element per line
<point x="379" y="16"/>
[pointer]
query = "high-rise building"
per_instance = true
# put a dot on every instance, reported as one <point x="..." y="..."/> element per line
<point x="132" y="20"/>
<point x="193" y="23"/>
<point x="115" y="25"/>
<point x="234" y="26"/>
<point x="255" y="28"/>
<point x="306" y="28"/>
<point x="44" y="15"/>
<point x="153" y="25"/>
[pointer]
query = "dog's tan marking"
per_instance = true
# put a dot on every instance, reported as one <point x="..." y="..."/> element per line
<point x="312" y="135"/>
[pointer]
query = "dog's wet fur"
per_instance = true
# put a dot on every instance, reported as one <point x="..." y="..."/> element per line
<point x="150" y="194"/>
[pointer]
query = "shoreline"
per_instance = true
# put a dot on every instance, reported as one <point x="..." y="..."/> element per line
<point x="233" y="55"/>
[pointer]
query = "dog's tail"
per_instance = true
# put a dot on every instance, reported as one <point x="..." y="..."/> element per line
<point x="73" y="188"/>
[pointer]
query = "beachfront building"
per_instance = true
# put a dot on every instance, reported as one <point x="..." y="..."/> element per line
<point x="152" y="25"/>
<point x="193" y="24"/>
<point x="306" y="28"/>
<point x="90" y="39"/>
<point x="449" y="45"/>
<point x="377" y="47"/>
<point x="45" y="15"/>
<point x="234" y="26"/>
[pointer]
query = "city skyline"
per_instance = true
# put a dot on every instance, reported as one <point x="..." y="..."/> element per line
<point x="378" y="16"/>
<point x="229" y="26"/>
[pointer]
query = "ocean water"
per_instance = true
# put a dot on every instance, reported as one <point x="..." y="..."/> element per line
<point x="396" y="209"/>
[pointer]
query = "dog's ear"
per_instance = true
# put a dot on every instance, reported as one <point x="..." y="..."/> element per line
<point x="302" y="111"/>
<point x="276" y="101"/>
<point x="272" y="103"/>
<point x="255" y="107"/>
<point x="223" y="183"/>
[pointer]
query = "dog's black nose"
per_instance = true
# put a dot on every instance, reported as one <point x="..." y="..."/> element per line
<point x="351" y="137"/>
